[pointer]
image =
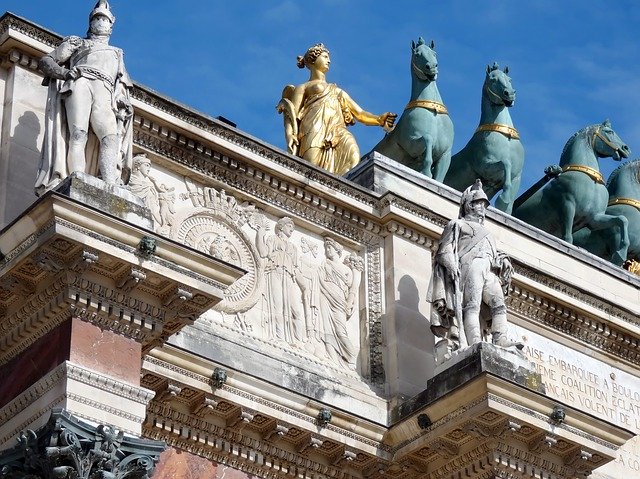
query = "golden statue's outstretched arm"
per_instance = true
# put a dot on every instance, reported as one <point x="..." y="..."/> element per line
<point x="386" y="120"/>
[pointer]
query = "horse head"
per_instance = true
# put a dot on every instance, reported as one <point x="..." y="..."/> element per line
<point x="497" y="86"/>
<point x="424" y="62"/>
<point x="625" y="180"/>
<point x="606" y="142"/>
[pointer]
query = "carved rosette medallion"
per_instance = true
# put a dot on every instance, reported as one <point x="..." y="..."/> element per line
<point x="213" y="235"/>
<point x="216" y="226"/>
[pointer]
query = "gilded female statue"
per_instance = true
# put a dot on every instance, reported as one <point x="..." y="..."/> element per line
<point x="317" y="113"/>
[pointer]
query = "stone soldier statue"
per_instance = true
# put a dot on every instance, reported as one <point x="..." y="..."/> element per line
<point x="88" y="125"/>
<point x="468" y="272"/>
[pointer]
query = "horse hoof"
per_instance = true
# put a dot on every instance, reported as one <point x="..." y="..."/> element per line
<point x="617" y="259"/>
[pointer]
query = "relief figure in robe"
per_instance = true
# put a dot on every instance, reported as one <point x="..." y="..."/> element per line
<point x="339" y="283"/>
<point x="159" y="198"/>
<point x="283" y="316"/>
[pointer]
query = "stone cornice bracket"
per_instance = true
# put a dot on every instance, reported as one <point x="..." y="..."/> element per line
<point x="203" y="406"/>
<point x="84" y="260"/>
<point x="241" y="420"/>
<point x="177" y="298"/>
<point x="344" y="458"/>
<point x="410" y="234"/>
<point x="171" y="391"/>
<point x="131" y="279"/>
<point x="17" y="57"/>
<point x="68" y="447"/>
<point x="310" y="444"/>
<point x="277" y="432"/>
<point x="543" y="443"/>
<point x="47" y="262"/>
<point x="580" y="463"/>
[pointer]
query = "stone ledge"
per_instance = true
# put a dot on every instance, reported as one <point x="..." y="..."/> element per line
<point x="479" y="359"/>
<point x="118" y="201"/>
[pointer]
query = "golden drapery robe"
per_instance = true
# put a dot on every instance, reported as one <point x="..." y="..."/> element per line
<point x="323" y="124"/>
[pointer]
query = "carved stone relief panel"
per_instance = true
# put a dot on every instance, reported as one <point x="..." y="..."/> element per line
<point x="302" y="291"/>
<point x="159" y="197"/>
<point x="220" y="226"/>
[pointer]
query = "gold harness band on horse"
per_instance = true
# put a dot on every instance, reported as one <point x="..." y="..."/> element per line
<point x="624" y="201"/>
<point x="506" y="130"/>
<point x="595" y="175"/>
<point x="430" y="105"/>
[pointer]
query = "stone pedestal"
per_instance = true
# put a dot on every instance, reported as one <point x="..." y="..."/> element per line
<point x="485" y="414"/>
<point x="86" y="288"/>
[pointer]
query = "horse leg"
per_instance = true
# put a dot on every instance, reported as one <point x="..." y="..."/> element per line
<point x="506" y="197"/>
<point x="504" y="202"/>
<point x="602" y="221"/>
<point x="442" y="166"/>
<point x="427" y="157"/>
<point x="567" y="214"/>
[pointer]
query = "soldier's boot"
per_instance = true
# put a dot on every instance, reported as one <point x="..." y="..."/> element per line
<point x="76" y="160"/>
<point x="498" y="331"/>
<point x="108" y="160"/>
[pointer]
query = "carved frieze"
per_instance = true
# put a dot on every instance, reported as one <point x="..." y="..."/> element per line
<point x="158" y="197"/>
<point x="219" y="225"/>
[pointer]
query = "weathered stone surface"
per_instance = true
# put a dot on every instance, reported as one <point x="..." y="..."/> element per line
<point x="175" y="463"/>
<point x="115" y="200"/>
<point x="481" y="358"/>
<point x="105" y="351"/>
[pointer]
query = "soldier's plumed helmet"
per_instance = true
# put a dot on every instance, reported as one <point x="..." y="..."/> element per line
<point x="472" y="193"/>
<point x="102" y="8"/>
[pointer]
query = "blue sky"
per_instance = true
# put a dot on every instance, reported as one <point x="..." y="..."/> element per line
<point x="573" y="63"/>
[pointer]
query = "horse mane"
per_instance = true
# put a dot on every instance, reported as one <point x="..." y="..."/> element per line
<point x="584" y="132"/>
<point x="627" y="164"/>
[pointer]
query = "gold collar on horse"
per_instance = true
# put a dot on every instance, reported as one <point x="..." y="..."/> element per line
<point x="625" y="201"/>
<point x="431" y="105"/>
<point x="506" y="130"/>
<point x="595" y="175"/>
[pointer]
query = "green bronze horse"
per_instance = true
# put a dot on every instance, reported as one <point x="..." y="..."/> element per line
<point x="423" y="137"/>
<point x="494" y="153"/>
<point x="624" y="200"/>
<point x="577" y="197"/>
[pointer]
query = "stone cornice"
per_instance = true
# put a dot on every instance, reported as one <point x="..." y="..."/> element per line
<point x="108" y="384"/>
<point x="235" y="449"/>
<point x="15" y="30"/>
<point x="365" y="436"/>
